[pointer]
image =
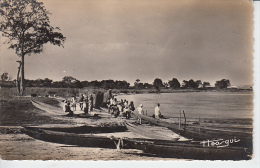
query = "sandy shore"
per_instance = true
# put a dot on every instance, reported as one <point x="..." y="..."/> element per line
<point x="23" y="147"/>
<point x="14" y="145"/>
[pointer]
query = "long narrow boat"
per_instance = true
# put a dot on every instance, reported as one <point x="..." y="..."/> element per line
<point x="82" y="140"/>
<point x="71" y="138"/>
<point x="201" y="133"/>
<point x="83" y="129"/>
<point x="48" y="108"/>
<point x="58" y="110"/>
<point x="190" y="150"/>
<point x="141" y="130"/>
<point x="162" y="148"/>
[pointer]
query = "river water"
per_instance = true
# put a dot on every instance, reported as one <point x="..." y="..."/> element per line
<point x="197" y="104"/>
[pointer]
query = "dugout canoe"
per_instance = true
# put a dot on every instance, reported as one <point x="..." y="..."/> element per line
<point x="162" y="148"/>
<point x="200" y="133"/>
<point x="48" y="108"/>
<point x="83" y="129"/>
<point x="58" y="111"/>
<point x="82" y="140"/>
<point x="190" y="150"/>
<point x="71" y="138"/>
<point x="141" y="130"/>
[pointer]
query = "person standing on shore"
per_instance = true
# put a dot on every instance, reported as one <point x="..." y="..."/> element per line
<point x="110" y="103"/>
<point x="131" y="108"/>
<point x="67" y="109"/>
<point x="91" y="103"/>
<point x="86" y="105"/>
<point x="140" y="112"/>
<point x="74" y="103"/>
<point x="157" y="111"/>
<point x="81" y="99"/>
<point x="114" y="107"/>
<point x="127" y="110"/>
<point x="122" y="105"/>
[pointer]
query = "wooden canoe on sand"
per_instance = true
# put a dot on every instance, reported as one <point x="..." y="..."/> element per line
<point x="71" y="138"/>
<point x="48" y="108"/>
<point x="58" y="111"/>
<point x="83" y="129"/>
<point x="162" y="148"/>
<point x="141" y="130"/>
<point x="189" y="150"/>
<point x="200" y="133"/>
<point x="82" y="140"/>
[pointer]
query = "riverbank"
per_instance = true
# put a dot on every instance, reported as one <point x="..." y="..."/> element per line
<point x="67" y="92"/>
<point x="17" y="112"/>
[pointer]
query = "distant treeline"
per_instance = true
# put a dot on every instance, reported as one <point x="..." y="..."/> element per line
<point x="71" y="82"/>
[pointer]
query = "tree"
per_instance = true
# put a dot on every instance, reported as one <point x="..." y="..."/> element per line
<point x="77" y="84"/>
<point x="191" y="84"/>
<point x="205" y="84"/>
<point x="68" y="79"/>
<point x="108" y="84"/>
<point x="47" y="82"/>
<point x="122" y="85"/>
<point x="224" y="83"/>
<point x="85" y="83"/>
<point x="174" y="83"/>
<point x="140" y="86"/>
<point x="198" y="83"/>
<point x="147" y="85"/>
<point x="136" y="84"/>
<point x="58" y="84"/>
<point x="158" y="84"/>
<point x="26" y="25"/>
<point x="95" y="83"/>
<point x="71" y="82"/>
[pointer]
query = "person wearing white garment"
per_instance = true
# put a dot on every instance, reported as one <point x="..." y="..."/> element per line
<point x="157" y="111"/>
<point x="140" y="112"/>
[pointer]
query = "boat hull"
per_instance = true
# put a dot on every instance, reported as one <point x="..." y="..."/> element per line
<point x="200" y="133"/>
<point x="87" y="129"/>
<point x="71" y="139"/>
<point x="190" y="151"/>
<point x="140" y="130"/>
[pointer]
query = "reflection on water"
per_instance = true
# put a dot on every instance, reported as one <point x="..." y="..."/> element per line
<point x="197" y="104"/>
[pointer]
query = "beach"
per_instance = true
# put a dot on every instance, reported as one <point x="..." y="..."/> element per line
<point x="18" y="112"/>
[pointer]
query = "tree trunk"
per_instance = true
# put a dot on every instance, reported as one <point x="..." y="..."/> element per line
<point x="18" y="78"/>
<point x="22" y="87"/>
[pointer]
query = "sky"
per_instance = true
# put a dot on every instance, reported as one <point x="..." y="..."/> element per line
<point x="145" y="39"/>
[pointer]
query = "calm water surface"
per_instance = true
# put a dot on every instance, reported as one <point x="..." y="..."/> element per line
<point x="197" y="104"/>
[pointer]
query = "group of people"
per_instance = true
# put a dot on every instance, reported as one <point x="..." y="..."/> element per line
<point x="85" y="104"/>
<point x="114" y="107"/>
<point x="157" y="112"/>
